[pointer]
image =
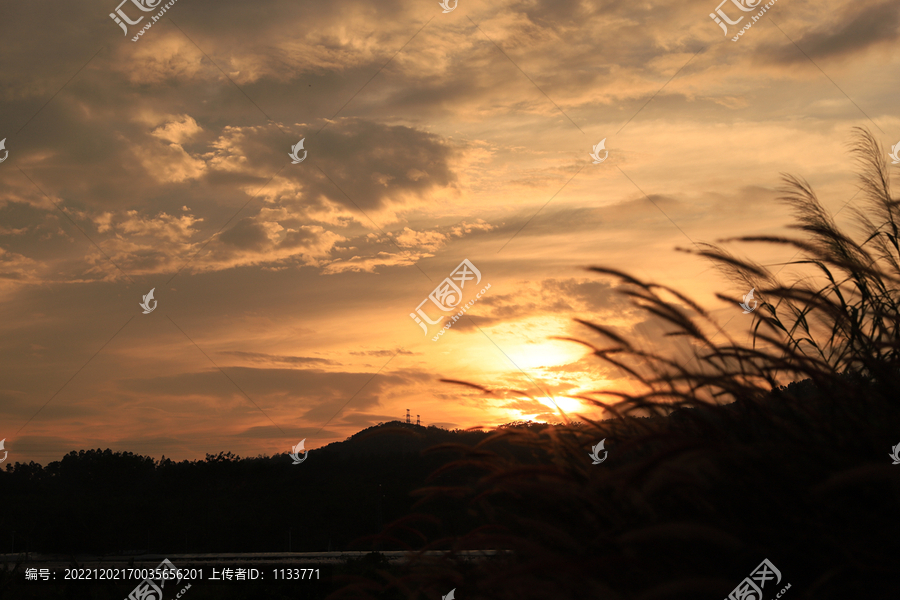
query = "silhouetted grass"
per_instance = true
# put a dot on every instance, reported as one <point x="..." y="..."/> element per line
<point x="715" y="464"/>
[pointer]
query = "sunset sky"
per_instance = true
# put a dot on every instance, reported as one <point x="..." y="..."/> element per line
<point x="285" y="290"/>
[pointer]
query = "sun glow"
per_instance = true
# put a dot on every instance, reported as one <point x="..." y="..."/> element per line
<point x="561" y="402"/>
<point x="568" y="405"/>
<point x="546" y="355"/>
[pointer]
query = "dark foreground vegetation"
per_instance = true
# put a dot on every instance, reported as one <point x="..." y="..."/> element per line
<point x="717" y="463"/>
<point x="101" y="502"/>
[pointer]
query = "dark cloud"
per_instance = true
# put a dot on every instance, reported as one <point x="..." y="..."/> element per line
<point x="298" y="238"/>
<point x="857" y="28"/>
<point x="383" y="353"/>
<point x="314" y="394"/>
<point x="298" y="360"/>
<point x="246" y="235"/>
<point x="369" y="165"/>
